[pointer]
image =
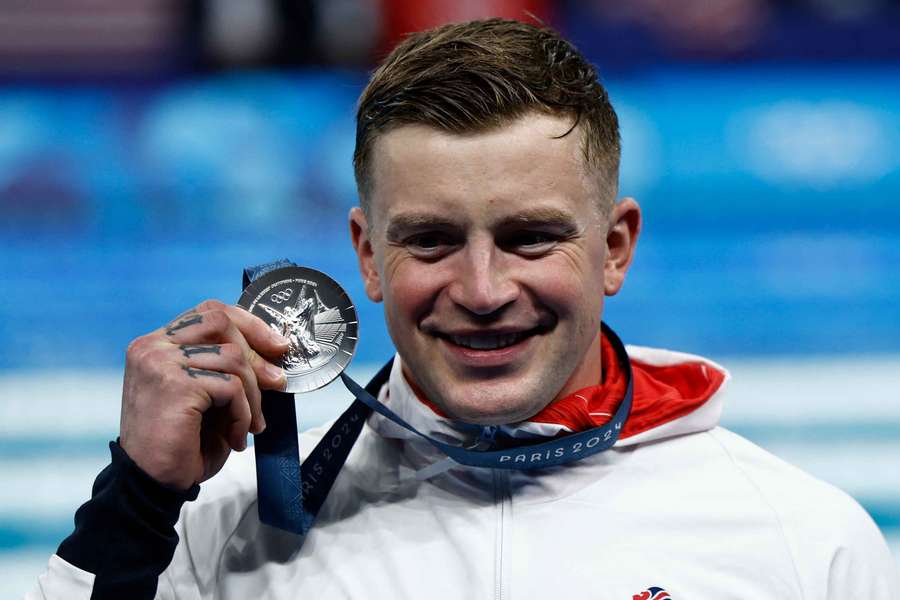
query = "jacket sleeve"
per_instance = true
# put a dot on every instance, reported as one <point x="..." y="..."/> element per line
<point x="862" y="565"/>
<point x="837" y="548"/>
<point x="124" y="537"/>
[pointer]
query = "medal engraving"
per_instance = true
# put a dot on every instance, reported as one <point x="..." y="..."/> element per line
<point x="315" y="314"/>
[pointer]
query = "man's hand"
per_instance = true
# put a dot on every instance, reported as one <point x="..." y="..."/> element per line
<point x="192" y="391"/>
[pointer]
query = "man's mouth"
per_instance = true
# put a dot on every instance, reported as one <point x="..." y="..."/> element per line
<point x="485" y="341"/>
<point x="489" y="342"/>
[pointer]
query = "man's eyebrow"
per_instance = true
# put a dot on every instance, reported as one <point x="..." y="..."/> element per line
<point x="539" y="215"/>
<point x="404" y="222"/>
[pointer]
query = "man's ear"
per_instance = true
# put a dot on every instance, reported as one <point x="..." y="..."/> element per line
<point x="621" y="240"/>
<point x="359" y="234"/>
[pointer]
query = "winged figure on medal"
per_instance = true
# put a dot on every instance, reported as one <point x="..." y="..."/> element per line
<point x="297" y="322"/>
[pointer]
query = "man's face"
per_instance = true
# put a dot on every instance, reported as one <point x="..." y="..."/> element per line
<point x="490" y="252"/>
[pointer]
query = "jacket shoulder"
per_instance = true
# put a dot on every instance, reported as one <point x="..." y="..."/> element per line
<point x="837" y="549"/>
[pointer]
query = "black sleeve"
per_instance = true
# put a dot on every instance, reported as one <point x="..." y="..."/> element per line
<point x="125" y="534"/>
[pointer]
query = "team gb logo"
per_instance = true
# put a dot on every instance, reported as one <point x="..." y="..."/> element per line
<point x="653" y="593"/>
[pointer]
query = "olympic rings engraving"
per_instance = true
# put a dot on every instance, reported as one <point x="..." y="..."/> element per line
<point x="282" y="295"/>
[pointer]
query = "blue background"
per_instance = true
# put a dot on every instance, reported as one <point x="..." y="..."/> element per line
<point x="770" y="197"/>
<point x="772" y="239"/>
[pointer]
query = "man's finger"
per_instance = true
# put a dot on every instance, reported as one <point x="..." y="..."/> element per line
<point x="262" y="343"/>
<point x="230" y="358"/>
<point x="200" y="335"/>
<point x="224" y="391"/>
<point x="269" y="376"/>
<point x="261" y="337"/>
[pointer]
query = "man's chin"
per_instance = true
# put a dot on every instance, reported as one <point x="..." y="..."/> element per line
<point x="488" y="396"/>
<point x="490" y="409"/>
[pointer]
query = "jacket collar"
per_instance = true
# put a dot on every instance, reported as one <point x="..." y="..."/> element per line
<point x="674" y="394"/>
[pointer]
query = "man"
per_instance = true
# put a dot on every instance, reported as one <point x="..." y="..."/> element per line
<point x="487" y="163"/>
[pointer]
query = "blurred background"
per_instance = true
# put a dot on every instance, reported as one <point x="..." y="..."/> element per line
<point x="150" y="149"/>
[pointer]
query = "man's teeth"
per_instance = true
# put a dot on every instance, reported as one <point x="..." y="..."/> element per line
<point x="486" y="342"/>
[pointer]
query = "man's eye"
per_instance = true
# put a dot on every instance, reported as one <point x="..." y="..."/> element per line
<point x="427" y="240"/>
<point x="429" y="245"/>
<point x="531" y="242"/>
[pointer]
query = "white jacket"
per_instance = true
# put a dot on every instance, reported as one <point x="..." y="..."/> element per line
<point x="686" y="507"/>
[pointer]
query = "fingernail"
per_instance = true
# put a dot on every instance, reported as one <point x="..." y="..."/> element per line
<point x="274" y="372"/>
<point x="278" y="338"/>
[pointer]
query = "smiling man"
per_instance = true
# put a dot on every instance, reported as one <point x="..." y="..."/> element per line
<point x="492" y="251"/>
<point x="489" y="226"/>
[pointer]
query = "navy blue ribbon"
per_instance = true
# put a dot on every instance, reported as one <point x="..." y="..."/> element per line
<point x="291" y="494"/>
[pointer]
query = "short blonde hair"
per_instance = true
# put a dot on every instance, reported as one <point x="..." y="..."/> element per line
<point x="478" y="75"/>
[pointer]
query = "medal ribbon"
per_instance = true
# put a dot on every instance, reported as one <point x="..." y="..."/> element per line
<point x="291" y="494"/>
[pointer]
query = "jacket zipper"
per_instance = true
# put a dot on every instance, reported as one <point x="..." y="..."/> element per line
<point x="503" y="501"/>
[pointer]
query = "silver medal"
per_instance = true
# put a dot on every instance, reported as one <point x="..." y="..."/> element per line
<point x="311" y="310"/>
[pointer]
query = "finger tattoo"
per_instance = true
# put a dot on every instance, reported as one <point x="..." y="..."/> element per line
<point x="190" y="311"/>
<point x="195" y="373"/>
<point x="194" y="320"/>
<point x="190" y="349"/>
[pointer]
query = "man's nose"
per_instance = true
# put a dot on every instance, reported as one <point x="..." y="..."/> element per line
<point x="482" y="284"/>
